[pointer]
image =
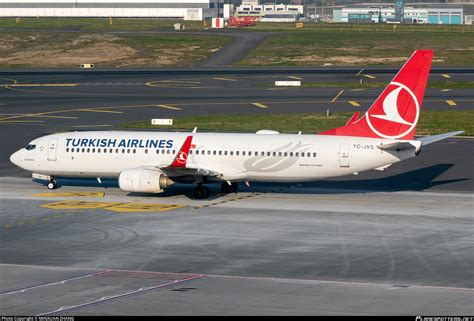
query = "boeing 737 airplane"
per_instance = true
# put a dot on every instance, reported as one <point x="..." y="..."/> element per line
<point x="150" y="162"/>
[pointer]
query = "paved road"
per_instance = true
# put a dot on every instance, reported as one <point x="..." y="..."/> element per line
<point x="283" y="250"/>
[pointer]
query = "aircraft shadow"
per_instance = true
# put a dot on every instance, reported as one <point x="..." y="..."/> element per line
<point x="415" y="180"/>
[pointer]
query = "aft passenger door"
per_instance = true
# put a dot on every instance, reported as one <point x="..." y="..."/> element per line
<point x="344" y="155"/>
<point x="52" y="149"/>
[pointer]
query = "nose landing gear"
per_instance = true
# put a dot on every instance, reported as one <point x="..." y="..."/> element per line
<point x="52" y="184"/>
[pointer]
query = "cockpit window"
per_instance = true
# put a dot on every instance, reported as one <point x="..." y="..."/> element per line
<point x="30" y="147"/>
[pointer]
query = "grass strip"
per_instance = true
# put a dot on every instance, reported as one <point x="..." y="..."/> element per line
<point x="430" y="123"/>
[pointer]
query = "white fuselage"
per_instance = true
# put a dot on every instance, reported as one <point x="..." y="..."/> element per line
<point x="238" y="157"/>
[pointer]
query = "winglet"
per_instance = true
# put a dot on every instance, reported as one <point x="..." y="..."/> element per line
<point x="182" y="155"/>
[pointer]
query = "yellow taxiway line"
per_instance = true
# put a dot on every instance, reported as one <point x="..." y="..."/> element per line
<point x="451" y="102"/>
<point x="354" y="103"/>
<point x="101" y="111"/>
<point x="112" y="206"/>
<point x="67" y="194"/>
<point x="225" y="79"/>
<point x="445" y="75"/>
<point x="259" y="105"/>
<point x="337" y="96"/>
<point x="43" y="85"/>
<point x="169" y="107"/>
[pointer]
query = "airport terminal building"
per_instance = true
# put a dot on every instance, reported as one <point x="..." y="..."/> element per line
<point x="180" y="9"/>
<point x="386" y="14"/>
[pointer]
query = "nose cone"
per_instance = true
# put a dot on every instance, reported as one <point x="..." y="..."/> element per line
<point x="15" y="158"/>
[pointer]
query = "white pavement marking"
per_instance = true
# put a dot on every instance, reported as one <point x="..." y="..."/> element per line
<point x="23" y="290"/>
<point x="113" y="297"/>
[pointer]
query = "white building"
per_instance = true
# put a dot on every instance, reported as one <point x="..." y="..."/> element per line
<point x="180" y="9"/>
<point x="271" y="12"/>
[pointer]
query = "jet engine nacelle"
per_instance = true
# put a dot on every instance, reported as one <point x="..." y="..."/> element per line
<point x="143" y="180"/>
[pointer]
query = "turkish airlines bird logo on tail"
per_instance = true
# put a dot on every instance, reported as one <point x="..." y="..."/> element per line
<point x="387" y="120"/>
<point x="182" y="156"/>
<point x="390" y="108"/>
<point x="395" y="113"/>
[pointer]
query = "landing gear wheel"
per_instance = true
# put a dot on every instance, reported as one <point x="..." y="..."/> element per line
<point x="52" y="185"/>
<point x="227" y="189"/>
<point x="201" y="192"/>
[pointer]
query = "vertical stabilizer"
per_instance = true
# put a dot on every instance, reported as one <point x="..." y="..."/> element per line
<point x="395" y="113"/>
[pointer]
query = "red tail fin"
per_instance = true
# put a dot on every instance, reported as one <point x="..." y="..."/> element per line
<point x="182" y="157"/>
<point x="396" y="111"/>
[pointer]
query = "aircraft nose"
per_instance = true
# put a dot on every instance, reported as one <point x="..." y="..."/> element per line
<point x="15" y="158"/>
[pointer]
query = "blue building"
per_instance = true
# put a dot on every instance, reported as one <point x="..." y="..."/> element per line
<point x="381" y="13"/>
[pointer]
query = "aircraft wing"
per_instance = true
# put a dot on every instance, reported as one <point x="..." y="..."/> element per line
<point x="189" y="171"/>
<point x="179" y="167"/>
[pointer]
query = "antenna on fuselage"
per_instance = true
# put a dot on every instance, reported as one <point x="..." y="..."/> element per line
<point x="195" y="129"/>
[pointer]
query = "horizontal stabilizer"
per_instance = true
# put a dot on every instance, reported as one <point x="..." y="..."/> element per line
<point x="399" y="145"/>
<point x="434" y="138"/>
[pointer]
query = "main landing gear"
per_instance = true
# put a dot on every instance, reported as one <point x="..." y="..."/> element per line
<point x="201" y="192"/>
<point x="227" y="189"/>
<point x="52" y="183"/>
